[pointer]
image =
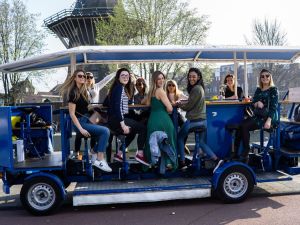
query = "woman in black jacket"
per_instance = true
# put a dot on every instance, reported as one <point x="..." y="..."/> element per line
<point x="118" y="98"/>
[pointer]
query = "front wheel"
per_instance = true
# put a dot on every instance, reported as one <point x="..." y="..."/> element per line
<point x="41" y="196"/>
<point x="235" y="184"/>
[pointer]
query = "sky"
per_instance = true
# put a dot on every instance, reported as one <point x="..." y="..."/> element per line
<point x="231" y="21"/>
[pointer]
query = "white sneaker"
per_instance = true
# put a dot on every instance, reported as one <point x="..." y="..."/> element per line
<point x="102" y="165"/>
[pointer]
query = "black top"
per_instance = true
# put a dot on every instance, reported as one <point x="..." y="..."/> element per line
<point x="138" y="98"/>
<point x="118" y="103"/>
<point x="81" y="103"/>
<point x="229" y="93"/>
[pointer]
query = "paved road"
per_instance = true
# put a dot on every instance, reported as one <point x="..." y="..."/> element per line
<point x="270" y="203"/>
<point x="274" y="210"/>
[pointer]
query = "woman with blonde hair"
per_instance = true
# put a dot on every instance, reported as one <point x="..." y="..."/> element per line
<point x="265" y="100"/>
<point x="75" y="92"/>
<point x="173" y="93"/>
<point x="93" y="96"/>
<point x="159" y="119"/>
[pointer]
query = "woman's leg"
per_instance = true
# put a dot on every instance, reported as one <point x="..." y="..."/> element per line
<point x="202" y="138"/>
<point x="101" y="134"/>
<point x="246" y="126"/>
<point x="141" y="130"/>
<point x="136" y="128"/>
<point x="183" y="133"/>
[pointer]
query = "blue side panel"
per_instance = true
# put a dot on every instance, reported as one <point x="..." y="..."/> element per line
<point x="218" y="138"/>
<point x="6" y="153"/>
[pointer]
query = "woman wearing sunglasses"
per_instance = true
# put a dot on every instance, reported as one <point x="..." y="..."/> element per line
<point x="93" y="95"/>
<point x="173" y="93"/>
<point x="264" y="100"/>
<point x="142" y="90"/>
<point x="76" y="93"/>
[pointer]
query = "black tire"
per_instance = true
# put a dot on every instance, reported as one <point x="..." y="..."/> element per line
<point x="235" y="184"/>
<point x="41" y="196"/>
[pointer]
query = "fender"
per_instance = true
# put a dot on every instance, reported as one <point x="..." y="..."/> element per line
<point x="220" y="170"/>
<point x="53" y="177"/>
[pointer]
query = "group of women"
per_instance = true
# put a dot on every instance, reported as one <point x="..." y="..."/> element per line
<point x="79" y="94"/>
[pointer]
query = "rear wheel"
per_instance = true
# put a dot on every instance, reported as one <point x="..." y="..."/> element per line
<point x="235" y="184"/>
<point x="41" y="195"/>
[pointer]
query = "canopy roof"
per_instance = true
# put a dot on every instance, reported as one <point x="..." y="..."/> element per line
<point x="154" y="53"/>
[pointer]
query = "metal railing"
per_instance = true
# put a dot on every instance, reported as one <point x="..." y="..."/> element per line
<point x="78" y="12"/>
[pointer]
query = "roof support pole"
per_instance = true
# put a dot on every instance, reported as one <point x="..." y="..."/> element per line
<point x="236" y="64"/>
<point x="246" y="94"/>
<point x="73" y="63"/>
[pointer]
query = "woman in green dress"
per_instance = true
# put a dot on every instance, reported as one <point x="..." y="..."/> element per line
<point x="159" y="119"/>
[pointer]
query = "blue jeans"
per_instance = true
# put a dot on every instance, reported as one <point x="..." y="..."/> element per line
<point x="184" y="131"/>
<point x="100" y="133"/>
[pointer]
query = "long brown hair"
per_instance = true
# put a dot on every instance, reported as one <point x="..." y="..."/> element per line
<point x="128" y="88"/>
<point x="233" y="78"/>
<point x="145" y="87"/>
<point x="70" y="84"/>
<point x="153" y="86"/>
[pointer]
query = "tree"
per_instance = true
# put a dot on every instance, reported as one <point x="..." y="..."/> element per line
<point x="19" y="38"/>
<point x="154" y="22"/>
<point x="269" y="32"/>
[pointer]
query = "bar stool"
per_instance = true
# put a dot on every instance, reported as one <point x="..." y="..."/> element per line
<point x="232" y="129"/>
<point x="120" y="144"/>
<point x="86" y="163"/>
<point x="196" y="157"/>
<point x="266" y="159"/>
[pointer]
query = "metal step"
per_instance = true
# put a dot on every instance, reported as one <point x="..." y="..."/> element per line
<point x="110" y="192"/>
<point x="272" y="176"/>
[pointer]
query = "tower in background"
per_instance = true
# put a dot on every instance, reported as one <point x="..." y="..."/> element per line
<point x="76" y="26"/>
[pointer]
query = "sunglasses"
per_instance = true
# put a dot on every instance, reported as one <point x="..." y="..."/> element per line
<point x="89" y="77"/>
<point x="81" y="76"/>
<point x="171" y="85"/>
<point x="265" y="76"/>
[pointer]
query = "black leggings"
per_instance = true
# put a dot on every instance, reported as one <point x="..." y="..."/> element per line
<point x="135" y="128"/>
<point x="244" y="135"/>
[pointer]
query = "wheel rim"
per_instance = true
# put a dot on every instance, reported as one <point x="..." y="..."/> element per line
<point x="41" y="196"/>
<point x="235" y="185"/>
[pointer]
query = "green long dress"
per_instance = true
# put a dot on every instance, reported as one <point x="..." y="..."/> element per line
<point x="159" y="120"/>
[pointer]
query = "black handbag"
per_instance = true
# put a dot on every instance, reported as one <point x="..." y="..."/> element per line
<point x="261" y="112"/>
<point x="251" y="111"/>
